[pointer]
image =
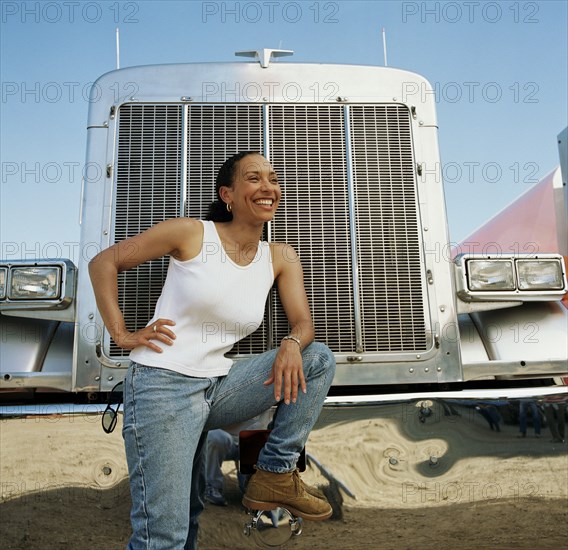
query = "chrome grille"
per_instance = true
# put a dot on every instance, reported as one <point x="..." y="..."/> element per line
<point x="307" y="150"/>
<point x="167" y="160"/>
<point x="388" y="241"/>
<point x="148" y="180"/>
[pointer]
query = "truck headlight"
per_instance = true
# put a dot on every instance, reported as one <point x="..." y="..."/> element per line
<point x="490" y="275"/>
<point x="540" y="274"/>
<point x="3" y="280"/>
<point x="43" y="289"/>
<point x="510" y="278"/>
<point x="35" y="283"/>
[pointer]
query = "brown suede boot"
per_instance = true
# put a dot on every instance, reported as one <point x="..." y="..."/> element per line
<point x="268" y="491"/>
<point x="314" y="491"/>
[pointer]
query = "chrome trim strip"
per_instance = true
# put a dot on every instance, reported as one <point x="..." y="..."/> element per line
<point x="330" y="402"/>
<point x="535" y="369"/>
<point x="46" y="409"/>
<point x="52" y="380"/>
<point x="493" y="394"/>
<point x="353" y="230"/>
<point x="184" y="160"/>
<point x="266" y="150"/>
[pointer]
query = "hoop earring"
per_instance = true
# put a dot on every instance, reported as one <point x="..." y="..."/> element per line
<point x="229" y="207"/>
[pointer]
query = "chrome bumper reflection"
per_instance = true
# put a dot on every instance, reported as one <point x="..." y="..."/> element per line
<point x="435" y="450"/>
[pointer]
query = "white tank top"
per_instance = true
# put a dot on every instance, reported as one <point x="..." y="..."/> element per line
<point x="214" y="303"/>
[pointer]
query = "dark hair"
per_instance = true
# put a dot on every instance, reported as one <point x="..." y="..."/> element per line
<point x="225" y="176"/>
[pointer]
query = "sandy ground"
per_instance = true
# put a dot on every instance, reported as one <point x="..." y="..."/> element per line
<point x="67" y="519"/>
<point x="64" y="487"/>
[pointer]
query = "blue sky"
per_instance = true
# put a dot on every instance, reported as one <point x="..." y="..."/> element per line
<point x="500" y="70"/>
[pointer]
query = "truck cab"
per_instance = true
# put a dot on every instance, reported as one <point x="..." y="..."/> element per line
<point x="357" y="150"/>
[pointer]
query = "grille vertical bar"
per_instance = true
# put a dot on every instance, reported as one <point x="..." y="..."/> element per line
<point x="353" y="230"/>
<point x="148" y="181"/>
<point x="388" y="238"/>
<point x="308" y="153"/>
<point x="215" y="133"/>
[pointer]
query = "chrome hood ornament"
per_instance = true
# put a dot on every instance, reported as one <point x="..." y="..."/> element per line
<point x="265" y="55"/>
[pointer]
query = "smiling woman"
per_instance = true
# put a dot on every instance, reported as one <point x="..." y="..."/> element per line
<point x="219" y="277"/>
<point x="259" y="177"/>
<point x="248" y="194"/>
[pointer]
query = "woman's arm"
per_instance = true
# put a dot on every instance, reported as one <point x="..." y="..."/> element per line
<point x="180" y="238"/>
<point x="287" y="372"/>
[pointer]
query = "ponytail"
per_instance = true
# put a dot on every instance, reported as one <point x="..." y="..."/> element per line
<point x="218" y="208"/>
<point x="218" y="212"/>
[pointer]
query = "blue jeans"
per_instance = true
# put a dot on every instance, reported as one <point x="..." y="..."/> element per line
<point x="221" y="446"/>
<point x="523" y="407"/>
<point x="165" y="415"/>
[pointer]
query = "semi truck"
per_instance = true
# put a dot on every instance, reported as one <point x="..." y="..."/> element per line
<point x="356" y="148"/>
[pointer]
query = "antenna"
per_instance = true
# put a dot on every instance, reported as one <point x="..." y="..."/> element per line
<point x="385" y="46"/>
<point x="117" y="48"/>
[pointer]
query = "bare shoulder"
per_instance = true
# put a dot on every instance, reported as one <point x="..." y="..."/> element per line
<point x="177" y="230"/>
<point x="181" y="223"/>
<point x="284" y="258"/>
<point x="187" y="236"/>
<point x="185" y="225"/>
